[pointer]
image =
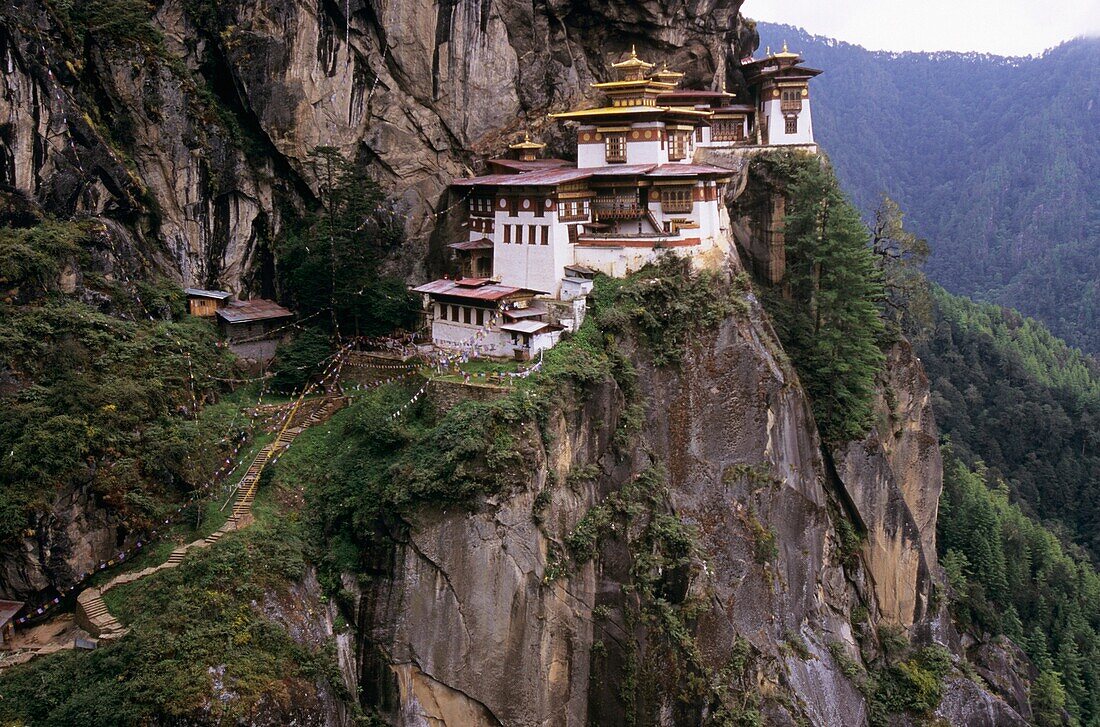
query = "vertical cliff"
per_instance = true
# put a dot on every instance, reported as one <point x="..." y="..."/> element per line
<point x="192" y="128"/>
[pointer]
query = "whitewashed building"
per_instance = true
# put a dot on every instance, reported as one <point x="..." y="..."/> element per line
<point x="544" y="228"/>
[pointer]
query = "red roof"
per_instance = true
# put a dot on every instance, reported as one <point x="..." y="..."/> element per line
<point x="473" y="289"/>
<point x="686" y="170"/>
<point x="688" y="93"/>
<point x="539" y="178"/>
<point x="521" y="165"/>
<point x="8" y="609"/>
<point x="483" y="244"/>
<point x="622" y="170"/>
<point x="248" y="311"/>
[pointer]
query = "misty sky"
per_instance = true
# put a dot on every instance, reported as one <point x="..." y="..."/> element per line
<point x="1006" y="27"/>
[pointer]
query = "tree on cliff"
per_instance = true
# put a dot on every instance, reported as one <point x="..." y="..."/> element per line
<point x="900" y="255"/>
<point x="329" y="262"/>
<point x="828" y="309"/>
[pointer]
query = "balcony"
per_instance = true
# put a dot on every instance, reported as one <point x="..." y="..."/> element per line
<point x="617" y="208"/>
<point x="791" y="105"/>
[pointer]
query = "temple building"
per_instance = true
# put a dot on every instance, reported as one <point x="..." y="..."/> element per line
<point x="540" y="229"/>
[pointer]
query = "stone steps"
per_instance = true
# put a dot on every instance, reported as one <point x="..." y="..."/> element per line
<point x="92" y="612"/>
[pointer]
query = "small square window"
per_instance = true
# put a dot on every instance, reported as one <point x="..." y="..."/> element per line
<point x="790" y="124"/>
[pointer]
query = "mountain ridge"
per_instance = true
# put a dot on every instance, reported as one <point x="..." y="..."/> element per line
<point x="990" y="156"/>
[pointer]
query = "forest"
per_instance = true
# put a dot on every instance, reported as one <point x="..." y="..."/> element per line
<point x="996" y="160"/>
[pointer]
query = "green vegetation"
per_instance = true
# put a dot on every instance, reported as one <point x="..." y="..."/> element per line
<point x="329" y="260"/>
<point x="1008" y="574"/>
<point x="94" y="400"/>
<point x="1008" y="393"/>
<point x="1009" y="199"/>
<point x="111" y="23"/>
<point x="198" y="644"/>
<point x="375" y="469"/>
<point x="664" y="305"/>
<point x="827" y="312"/>
<point x="300" y="360"/>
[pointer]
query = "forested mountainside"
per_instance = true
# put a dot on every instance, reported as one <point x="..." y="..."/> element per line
<point x="996" y="160"/>
<point x="1008" y="393"/>
<point x="714" y="504"/>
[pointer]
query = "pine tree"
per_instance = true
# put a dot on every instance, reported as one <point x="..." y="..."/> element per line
<point x="828" y="309"/>
<point x="329" y="262"/>
<point x="899" y="257"/>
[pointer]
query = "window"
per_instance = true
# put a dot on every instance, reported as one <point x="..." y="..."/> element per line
<point x="507" y="234"/>
<point x="677" y="199"/>
<point x="545" y="234"/>
<point x="677" y="145"/>
<point x="466" y="314"/>
<point x="480" y="317"/>
<point x="454" y="313"/>
<point x="698" y="134"/>
<point x="531" y="233"/>
<point x="616" y="147"/>
<point x="790" y="124"/>
<point x="791" y="99"/>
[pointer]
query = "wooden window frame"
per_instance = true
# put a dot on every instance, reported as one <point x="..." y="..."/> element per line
<point x="790" y="125"/>
<point x="677" y="200"/>
<point x="677" y="146"/>
<point x="545" y="234"/>
<point x="615" y="148"/>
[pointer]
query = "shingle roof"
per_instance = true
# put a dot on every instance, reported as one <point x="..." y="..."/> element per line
<point x="8" y="609"/>
<point x="200" y="293"/>
<point x="538" y="178"/>
<point x="483" y="243"/>
<point x="258" y="309"/>
<point x="686" y="170"/>
<point x="529" y="326"/>
<point x="486" y="291"/>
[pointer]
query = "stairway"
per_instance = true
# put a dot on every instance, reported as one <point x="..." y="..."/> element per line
<point x="92" y="613"/>
<point x="93" y="616"/>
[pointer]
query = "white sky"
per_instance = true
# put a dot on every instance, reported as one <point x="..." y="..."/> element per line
<point x="1005" y="27"/>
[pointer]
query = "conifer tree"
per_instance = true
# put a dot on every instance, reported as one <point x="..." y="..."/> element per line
<point x="828" y="310"/>
<point x="330" y="261"/>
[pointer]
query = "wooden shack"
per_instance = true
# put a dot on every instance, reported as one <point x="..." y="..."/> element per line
<point x="252" y="327"/>
<point x="205" y="303"/>
<point x="8" y="609"/>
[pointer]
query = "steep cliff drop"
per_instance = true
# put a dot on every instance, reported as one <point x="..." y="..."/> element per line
<point x="678" y="547"/>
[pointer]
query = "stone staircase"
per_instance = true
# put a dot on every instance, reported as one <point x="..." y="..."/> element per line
<point x="92" y="613"/>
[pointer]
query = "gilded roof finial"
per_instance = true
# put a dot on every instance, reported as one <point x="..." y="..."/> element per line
<point x="785" y="50"/>
<point x="768" y="51"/>
<point x="633" y="52"/>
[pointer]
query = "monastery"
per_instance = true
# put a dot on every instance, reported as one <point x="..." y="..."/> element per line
<point x="541" y="229"/>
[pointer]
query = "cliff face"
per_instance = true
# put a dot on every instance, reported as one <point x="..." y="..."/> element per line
<point x="198" y="140"/>
<point x="471" y="619"/>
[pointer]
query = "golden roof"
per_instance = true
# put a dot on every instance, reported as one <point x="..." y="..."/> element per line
<point x="627" y="111"/>
<point x="786" y="53"/>
<point x="642" y="84"/>
<point x="527" y="143"/>
<point x="632" y="62"/>
<point x="667" y="75"/>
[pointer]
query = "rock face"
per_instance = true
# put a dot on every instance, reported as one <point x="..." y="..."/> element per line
<point x="197" y="141"/>
<point x="469" y="625"/>
<point x="894" y="477"/>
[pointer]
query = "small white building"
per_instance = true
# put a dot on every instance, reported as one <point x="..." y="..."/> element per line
<point x="635" y="193"/>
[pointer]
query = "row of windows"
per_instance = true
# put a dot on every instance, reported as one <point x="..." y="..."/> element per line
<point x="679" y="145"/>
<point x="677" y="199"/>
<point x="727" y="130"/>
<point x="573" y="209"/>
<point x="462" y="314"/>
<point x="531" y="234"/>
<point x="483" y="205"/>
